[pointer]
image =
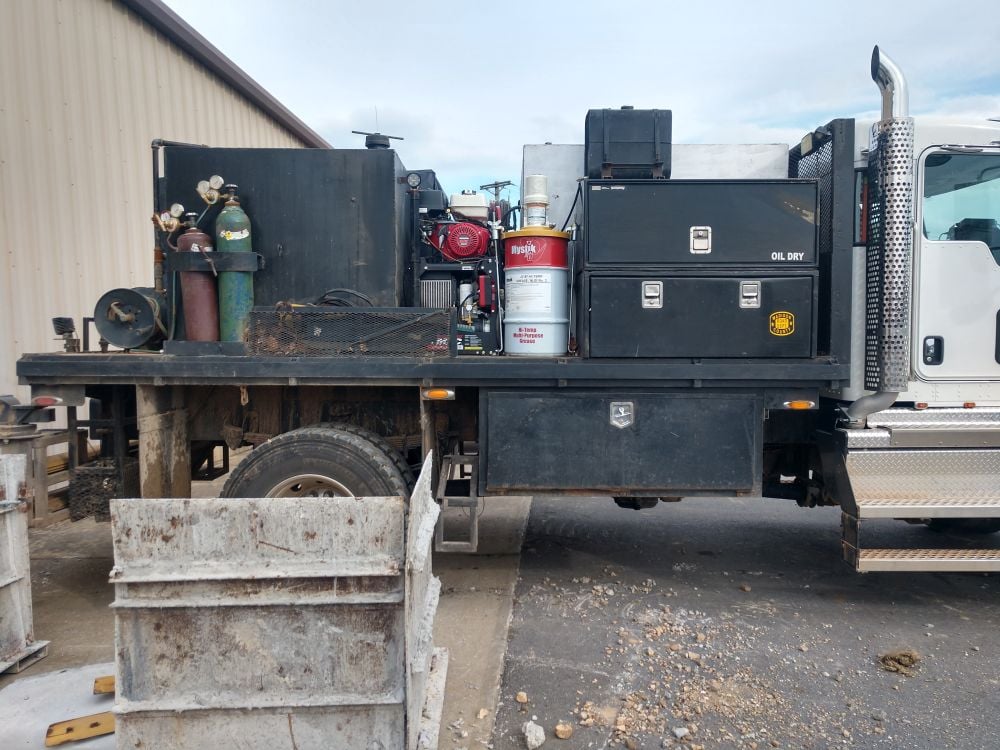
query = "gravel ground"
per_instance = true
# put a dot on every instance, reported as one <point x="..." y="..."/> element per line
<point x="735" y="624"/>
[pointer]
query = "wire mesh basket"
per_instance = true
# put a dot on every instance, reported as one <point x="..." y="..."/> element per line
<point x="96" y="483"/>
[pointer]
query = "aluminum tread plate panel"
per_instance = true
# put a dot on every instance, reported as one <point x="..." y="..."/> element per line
<point x="985" y="507"/>
<point x="971" y="436"/>
<point x="937" y="475"/>
<point x="937" y="419"/>
<point x="868" y="439"/>
<point x="940" y="560"/>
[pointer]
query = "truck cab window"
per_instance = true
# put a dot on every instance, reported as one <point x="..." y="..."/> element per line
<point x="962" y="198"/>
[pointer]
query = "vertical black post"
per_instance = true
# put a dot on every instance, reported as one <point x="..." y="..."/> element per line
<point x="119" y="439"/>
<point x="73" y="442"/>
<point x="415" y="247"/>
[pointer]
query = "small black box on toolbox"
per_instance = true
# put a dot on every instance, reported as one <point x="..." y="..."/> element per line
<point x="628" y="143"/>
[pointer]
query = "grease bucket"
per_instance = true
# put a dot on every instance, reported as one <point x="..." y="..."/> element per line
<point x="536" y="303"/>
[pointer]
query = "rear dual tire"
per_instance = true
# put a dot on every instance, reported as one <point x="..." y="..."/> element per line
<point x="329" y="460"/>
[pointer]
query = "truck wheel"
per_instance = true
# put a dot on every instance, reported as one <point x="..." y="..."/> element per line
<point x="965" y="525"/>
<point x="327" y="461"/>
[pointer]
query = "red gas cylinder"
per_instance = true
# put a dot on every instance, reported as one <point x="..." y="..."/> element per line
<point x="199" y="297"/>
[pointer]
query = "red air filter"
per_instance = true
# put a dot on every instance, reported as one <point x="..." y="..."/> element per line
<point x="463" y="241"/>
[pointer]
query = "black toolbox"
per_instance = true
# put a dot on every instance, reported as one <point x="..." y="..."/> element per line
<point x="620" y="442"/>
<point x="628" y="143"/>
<point x="746" y="314"/>
<point x="693" y="269"/>
<point x="697" y="223"/>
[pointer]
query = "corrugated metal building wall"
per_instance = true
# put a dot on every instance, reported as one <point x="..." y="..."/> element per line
<point x="85" y="86"/>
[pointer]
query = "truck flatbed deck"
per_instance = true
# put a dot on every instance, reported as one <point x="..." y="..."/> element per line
<point x="154" y="368"/>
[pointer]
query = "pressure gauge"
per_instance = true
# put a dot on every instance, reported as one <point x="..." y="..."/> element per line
<point x="202" y="187"/>
<point x="413" y="180"/>
<point x="165" y="217"/>
<point x="177" y="210"/>
<point x="215" y="182"/>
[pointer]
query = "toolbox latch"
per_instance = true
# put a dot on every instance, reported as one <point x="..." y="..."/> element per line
<point x="701" y="240"/>
<point x="652" y="295"/>
<point x="750" y="294"/>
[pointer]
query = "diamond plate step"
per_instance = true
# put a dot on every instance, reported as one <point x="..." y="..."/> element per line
<point x="931" y="476"/>
<point x="979" y="418"/>
<point x="929" y="508"/>
<point x="928" y="428"/>
<point x="929" y="560"/>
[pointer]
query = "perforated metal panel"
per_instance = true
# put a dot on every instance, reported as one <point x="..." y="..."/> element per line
<point x="889" y="256"/>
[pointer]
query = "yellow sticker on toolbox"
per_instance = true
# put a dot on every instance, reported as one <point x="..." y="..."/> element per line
<point x="782" y="323"/>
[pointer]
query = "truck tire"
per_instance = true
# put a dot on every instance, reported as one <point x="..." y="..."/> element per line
<point x="964" y="525"/>
<point x="381" y="443"/>
<point x="325" y="461"/>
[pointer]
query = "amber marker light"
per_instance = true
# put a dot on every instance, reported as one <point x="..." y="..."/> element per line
<point x="800" y="405"/>
<point x="438" y="394"/>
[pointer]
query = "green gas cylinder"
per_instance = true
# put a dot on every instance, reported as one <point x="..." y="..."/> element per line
<point x="232" y="235"/>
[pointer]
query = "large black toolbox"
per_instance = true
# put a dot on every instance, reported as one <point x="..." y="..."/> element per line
<point x="628" y="143"/>
<point x="620" y="442"/>
<point x="741" y="315"/>
<point x="656" y="223"/>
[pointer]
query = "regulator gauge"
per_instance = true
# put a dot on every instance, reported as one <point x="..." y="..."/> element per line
<point x="177" y="210"/>
<point x="215" y="182"/>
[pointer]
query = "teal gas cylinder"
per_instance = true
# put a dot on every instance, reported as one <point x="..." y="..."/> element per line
<point x="232" y="235"/>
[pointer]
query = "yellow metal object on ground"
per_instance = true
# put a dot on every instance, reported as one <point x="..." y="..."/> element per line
<point x="82" y="728"/>
<point x="104" y="685"/>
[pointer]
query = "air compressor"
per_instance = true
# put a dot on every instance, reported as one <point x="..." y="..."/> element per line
<point x="463" y="272"/>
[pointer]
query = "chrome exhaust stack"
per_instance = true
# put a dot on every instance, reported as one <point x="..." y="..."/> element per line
<point x="892" y="83"/>
<point x="889" y="254"/>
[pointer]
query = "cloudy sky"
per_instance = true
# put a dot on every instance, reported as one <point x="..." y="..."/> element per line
<point x="468" y="83"/>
